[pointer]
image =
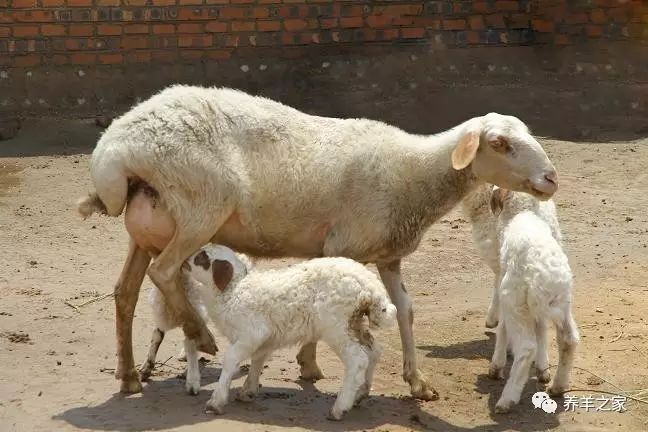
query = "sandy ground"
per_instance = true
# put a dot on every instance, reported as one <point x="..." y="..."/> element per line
<point x="56" y="363"/>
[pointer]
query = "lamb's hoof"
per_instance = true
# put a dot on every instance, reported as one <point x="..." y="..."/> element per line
<point x="214" y="408"/>
<point x="145" y="371"/>
<point x="335" y="415"/>
<point x="245" y="396"/>
<point x="206" y="342"/>
<point x="543" y="376"/>
<point x="503" y="407"/>
<point x="311" y="374"/>
<point x="556" y="391"/>
<point x="132" y="385"/>
<point x="423" y="390"/>
<point x="192" y="388"/>
<point x="362" y="394"/>
<point x="491" y="324"/>
<point x="495" y="372"/>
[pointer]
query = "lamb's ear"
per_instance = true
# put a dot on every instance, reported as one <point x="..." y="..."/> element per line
<point x="497" y="200"/>
<point x="222" y="273"/>
<point x="466" y="150"/>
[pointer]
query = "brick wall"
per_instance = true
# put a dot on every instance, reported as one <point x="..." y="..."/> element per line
<point x="109" y="32"/>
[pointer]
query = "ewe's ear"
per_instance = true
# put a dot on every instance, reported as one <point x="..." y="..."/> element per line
<point x="465" y="151"/>
<point x="222" y="273"/>
<point x="497" y="200"/>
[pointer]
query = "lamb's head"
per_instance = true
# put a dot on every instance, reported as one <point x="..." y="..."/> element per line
<point x="512" y="203"/>
<point x="501" y="151"/>
<point x="216" y="266"/>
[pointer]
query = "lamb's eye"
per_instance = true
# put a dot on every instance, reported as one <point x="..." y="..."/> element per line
<point x="500" y="144"/>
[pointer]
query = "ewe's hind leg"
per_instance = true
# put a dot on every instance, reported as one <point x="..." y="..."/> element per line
<point x="307" y="360"/>
<point x="523" y="340"/>
<point x="419" y="385"/>
<point x="492" y="318"/>
<point x="356" y="362"/>
<point x="192" y="383"/>
<point x="126" y="293"/>
<point x="542" y="356"/>
<point x="147" y="367"/>
<point x="165" y="273"/>
<point x="567" y="338"/>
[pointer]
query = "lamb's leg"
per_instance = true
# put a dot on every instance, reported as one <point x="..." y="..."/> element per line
<point x="492" y="317"/>
<point x="567" y="337"/>
<point x="147" y="367"/>
<point x="165" y="273"/>
<point x="374" y="353"/>
<point x="251" y="385"/>
<point x="523" y="341"/>
<point x="238" y="352"/>
<point x="356" y="362"/>
<point x="542" y="355"/>
<point x="419" y="385"/>
<point x="192" y="383"/>
<point x="306" y="358"/>
<point x="126" y="293"/>
<point x="498" y="361"/>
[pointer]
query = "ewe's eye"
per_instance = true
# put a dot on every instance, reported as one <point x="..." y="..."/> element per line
<point x="500" y="144"/>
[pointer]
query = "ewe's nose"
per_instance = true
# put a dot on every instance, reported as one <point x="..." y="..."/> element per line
<point x="552" y="177"/>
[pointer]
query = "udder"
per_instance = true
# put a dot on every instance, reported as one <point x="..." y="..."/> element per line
<point x="148" y="222"/>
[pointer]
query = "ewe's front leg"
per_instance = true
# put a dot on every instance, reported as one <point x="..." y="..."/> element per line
<point x="419" y="385"/>
<point x="126" y="294"/>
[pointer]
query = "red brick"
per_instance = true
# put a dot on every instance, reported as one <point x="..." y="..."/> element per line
<point x="136" y="29"/>
<point x="216" y="27"/>
<point x="265" y="26"/>
<point x="27" y="60"/>
<point x="428" y="22"/>
<point x="189" y="28"/>
<point x="543" y="26"/>
<point x="506" y="5"/>
<point x="25" y="31"/>
<point x="192" y="13"/>
<point x="232" y="13"/>
<point x="327" y="23"/>
<point x="241" y="1"/>
<point x="412" y="33"/>
<point x="195" y="41"/>
<point x="109" y="29"/>
<point x="399" y="10"/>
<point x="271" y="1"/>
<point x="598" y="16"/>
<point x="109" y="3"/>
<point x="72" y="44"/>
<point x="472" y="37"/>
<point x="476" y="22"/>
<point x="133" y="3"/>
<point x="52" y="3"/>
<point x="519" y="20"/>
<point x="59" y="59"/>
<point x="260" y="12"/>
<point x="5" y="31"/>
<point x="163" y="28"/>
<point x="243" y="26"/>
<point x="577" y="18"/>
<point x="295" y="24"/>
<point x="351" y="22"/>
<point x="24" y="3"/>
<point x="218" y="1"/>
<point x="378" y="21"/>
<point x="495" y="21"/>
<point x="480" y="7"/>
<point x="594" y="31"/>
<point x="79" y="3"/>
<point x="619" y="14"/>
<point x="113" y="58"/>
<point x="165" y="56"/>
<point x="139" y="57"/>
<point x="454" y="24"/>
<point x="561" y="39"/>
<point x="387" y="34"/>
<point x="52" y="30"/>
<point x="134" y="42"/>
<point x="353" y="11"/>
<point x="163" y="2"/>
<point x="81" y="30"/>
<point x="190" y="2"/>
<point x="33" y="16"/>
<point x="83" y="58"/>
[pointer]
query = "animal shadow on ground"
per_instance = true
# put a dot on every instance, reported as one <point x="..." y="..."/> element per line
<point x="164" y="405"/>
<point x="523" y="417"/>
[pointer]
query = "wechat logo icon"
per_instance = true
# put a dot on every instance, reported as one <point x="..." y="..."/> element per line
<point x="543" y="401"/>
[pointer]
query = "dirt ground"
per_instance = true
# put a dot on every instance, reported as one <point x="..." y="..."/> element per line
<point x="56" y="362"/>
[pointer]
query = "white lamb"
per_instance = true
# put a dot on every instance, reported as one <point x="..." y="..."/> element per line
<point x="261" y="311"/>
<point x="535" y="289"/>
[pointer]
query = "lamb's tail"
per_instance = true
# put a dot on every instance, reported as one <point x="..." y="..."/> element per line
<point x="110" y="179"/>
<point x="382" y="313"/>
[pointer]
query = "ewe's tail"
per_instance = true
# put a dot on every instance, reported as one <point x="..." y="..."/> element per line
<point x="110" y="180"/>
<point x="382" y="313"/>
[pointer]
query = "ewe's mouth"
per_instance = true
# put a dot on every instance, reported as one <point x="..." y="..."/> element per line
<point x="542" y="196"/>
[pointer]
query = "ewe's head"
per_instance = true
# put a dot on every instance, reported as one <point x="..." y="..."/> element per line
<point x="216" y="266"/>
<point x="503" y="152"/>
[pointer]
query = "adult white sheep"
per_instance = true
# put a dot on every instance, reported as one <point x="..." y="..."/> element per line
<point x="535" y="290"/>
<point x="269" y="181"/>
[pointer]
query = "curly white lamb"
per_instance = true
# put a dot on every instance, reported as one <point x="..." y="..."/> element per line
<point x="195" y="165"/>
<point x="261" y="311"/>
<point x="535" y="290"/>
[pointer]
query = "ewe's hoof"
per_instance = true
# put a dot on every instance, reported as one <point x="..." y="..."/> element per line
<point x="491" y="324"/>
<point x="543" y="376"/>
<point x="556" y="391"/>
<point x="503" y="407"/>
<point x="192" y="389"/>
<point x="130" y="386"/>
<point x="421" y="389"/>
<point x="311" y="374"/>
<point x="495" y="372"/>
<point x="245" y="396"/>
<point x="335" y="415"/>
<point x="214" y="408"/>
